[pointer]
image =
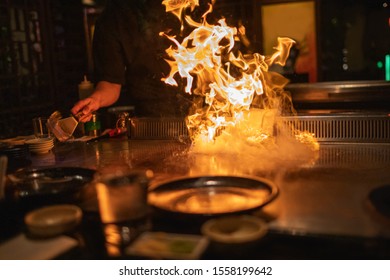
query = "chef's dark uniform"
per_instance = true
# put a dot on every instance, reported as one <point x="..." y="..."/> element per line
<point x="128" y="50"/>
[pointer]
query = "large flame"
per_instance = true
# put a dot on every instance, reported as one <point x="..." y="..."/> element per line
<point x="229" y="84"/>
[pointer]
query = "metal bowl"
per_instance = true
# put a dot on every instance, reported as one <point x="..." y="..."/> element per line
<point x="48" y="185"/>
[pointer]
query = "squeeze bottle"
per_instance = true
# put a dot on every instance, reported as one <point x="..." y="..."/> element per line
<point x="85" y="88"/>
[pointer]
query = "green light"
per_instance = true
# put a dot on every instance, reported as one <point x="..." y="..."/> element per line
<point x="379" y="64"/>
<point x="387" y="67"/>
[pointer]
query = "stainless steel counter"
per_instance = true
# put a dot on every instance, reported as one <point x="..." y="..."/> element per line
<point x="326" y="197"/>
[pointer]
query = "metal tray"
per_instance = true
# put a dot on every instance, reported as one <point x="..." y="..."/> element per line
<point x="48" y="181"/>
<point x="213" y="195"/>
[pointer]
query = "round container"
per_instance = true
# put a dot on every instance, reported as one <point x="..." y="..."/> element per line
<point x="53" y="220"/>
<point x="123" y="197"/>
<point x="235" y="229"/>
<point x="234" y="236"/>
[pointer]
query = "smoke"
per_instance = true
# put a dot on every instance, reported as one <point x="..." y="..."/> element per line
<point x="262" y="142"/>
<point x="236" y="124"/>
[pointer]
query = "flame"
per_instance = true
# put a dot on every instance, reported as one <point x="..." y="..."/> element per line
<point x="177" y="7"/>
<point x="229" y="85"/>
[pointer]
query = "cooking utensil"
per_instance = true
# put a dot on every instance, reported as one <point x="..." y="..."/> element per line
<point x="111" y="133"/>
<point x="213" y="195"/>
<point x="63" y="128"/>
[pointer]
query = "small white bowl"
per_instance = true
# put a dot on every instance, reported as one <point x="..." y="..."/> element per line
<point x="53" y="220"/>
<point x="235" y="229"/>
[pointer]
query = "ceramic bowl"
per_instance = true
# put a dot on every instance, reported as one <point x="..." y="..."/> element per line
<point x="53" y="220"/>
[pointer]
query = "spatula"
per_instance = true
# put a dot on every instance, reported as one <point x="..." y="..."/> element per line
<point x="63" y="128"/>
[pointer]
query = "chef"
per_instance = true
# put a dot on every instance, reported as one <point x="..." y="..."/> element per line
<point x="129" y="61"/>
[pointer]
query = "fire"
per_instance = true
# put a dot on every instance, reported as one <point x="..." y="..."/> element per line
<point x="234" y="89"/>
<point x="177" y="7"/>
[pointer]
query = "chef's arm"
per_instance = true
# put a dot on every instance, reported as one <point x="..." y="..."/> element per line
<point x="105" y="94"/>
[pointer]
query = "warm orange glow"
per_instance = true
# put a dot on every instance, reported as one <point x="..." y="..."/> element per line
<point x="176" y="7"/>
<point x="232" y="86"/>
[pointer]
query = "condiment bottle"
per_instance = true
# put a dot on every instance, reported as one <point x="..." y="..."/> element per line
<point x="85" y="88"/>
<point x="93" y="127"/>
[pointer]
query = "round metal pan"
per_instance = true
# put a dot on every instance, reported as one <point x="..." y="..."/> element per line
<point x="213" y="195"/>
<point x="42" y="186"/>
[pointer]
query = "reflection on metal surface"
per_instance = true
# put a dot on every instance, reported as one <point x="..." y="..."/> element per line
<point x="354" y="155"/>
<point x="329" y="127"/>
<point x="153" y="128"/>
<point x="344" y="127"/>
<point x="324" y="198"/>
<point x="213" y="195"/>
<point x="343" y="91"/>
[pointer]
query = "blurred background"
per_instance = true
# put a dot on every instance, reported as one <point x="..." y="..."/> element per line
<point x="45" y="47"/>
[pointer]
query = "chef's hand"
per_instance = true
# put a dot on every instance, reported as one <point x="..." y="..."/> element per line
<point x="105" y="94"/>
<point x="84" y="108"/>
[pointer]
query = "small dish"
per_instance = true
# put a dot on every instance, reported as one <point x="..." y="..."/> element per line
<point x="53" y="220"/>
<point x="235" y="229"/>
<point x="40" y="145"/>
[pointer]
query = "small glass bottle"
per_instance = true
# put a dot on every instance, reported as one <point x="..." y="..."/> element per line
<point x="86" y="88"/>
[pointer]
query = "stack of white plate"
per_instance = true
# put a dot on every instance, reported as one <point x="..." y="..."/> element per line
<point x="40" y="145"/>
